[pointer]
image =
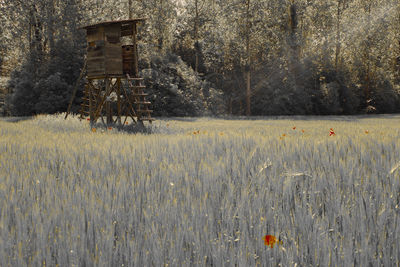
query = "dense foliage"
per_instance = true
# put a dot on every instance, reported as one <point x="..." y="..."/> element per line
<point x="176" y="90"/>
<point x="266" y="57"/>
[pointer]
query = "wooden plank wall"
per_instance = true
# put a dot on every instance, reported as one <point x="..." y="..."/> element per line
<point x="104" y="51"/>
<point x="95" y="60"/>
<point x="113" y="59"/>
<point x="95" y="34"/>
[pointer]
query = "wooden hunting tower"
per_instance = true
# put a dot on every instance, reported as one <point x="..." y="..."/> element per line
<point x="113" y="86"/>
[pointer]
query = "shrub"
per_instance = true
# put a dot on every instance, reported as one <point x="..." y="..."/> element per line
<point x="176" y="90"/>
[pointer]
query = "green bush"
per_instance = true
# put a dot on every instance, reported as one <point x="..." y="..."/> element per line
<point x="176" y="90"/>
<point x="44" y="84"/>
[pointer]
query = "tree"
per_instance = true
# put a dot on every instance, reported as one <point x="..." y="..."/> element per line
<point x="368" y="40"/>
<point x="2" y="46"/>
<point x="269" y="57"/>
<point x="194" y="20"/>
<point x="158" y="30"/>
<point x="341" y="5"/>
<point x="53" y="60"/>
<point x="248" y="58"/>
<point x="243" y="27"/>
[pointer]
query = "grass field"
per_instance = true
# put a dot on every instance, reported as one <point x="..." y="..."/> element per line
<point x="201" y="192"/>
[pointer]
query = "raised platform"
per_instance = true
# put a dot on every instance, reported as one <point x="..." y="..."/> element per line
<point x="110" y="98"/>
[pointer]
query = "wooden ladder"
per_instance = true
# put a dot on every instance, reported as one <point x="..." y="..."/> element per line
<point x="84" y="110"/>
<point x="138" y="98"/>
<point x="85" y="106"/>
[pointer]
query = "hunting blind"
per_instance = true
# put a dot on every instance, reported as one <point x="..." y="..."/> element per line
<point x="113" y="87"/>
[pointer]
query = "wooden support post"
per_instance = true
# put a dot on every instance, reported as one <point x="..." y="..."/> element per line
<point x="75" y="89"/>
<point x="135" y="52"/>
<point x="108" y="102"/>
<point x="102" y="99"/>
<point x="119" y="101"/>
<point x="109" y="113"/>
<point x="133" y="112"/>
<point x="130" y="9"/>
<point x="91" y="115"/>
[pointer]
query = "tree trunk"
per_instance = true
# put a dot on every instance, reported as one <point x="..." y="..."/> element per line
<point x="396" y="64"/>
<point x="50" y="29"/>
<point x="338" y="32"/>
<point x="130" y="16"/>
<point x="293" y="19"/>
<point x="36" y="31"/>
<point x="30" y="31"/>
<point x="230" y="104"/>
<point x="196" y="36"/>
<point x="248" y="93"/>
<point x="248" y="63"/>
<point x="160" y="27"/>
<point x="367" y="87"/>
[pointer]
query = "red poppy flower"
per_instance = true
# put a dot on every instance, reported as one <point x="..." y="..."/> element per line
<point x="109" y="128"/>
<point x="270" y="240"/>
<point x="302" y="131"/>
<point x="331" y="132"/>
<point x="294" y="128"/>
<point x="88" y="119"/>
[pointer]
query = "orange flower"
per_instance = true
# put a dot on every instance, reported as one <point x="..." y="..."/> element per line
<point x="331" y="132"/>
<point x="195" y="133"/>
<point x="221" y="133"/>
<point x="167" y="124"/>
<point x="294" y="128"/>
<point x="283" y="134"/>
<point x="367" y="132"/>
<point x="302" y="131"/>
<point x="270" y="240"/>
<point x="126" y="123"/>
<point x="109" y="128"/>
<point x="198" y="131"/>
<point x="94" y="130"/>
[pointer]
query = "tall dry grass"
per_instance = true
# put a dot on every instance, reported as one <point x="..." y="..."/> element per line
<point x="201" y="192"/>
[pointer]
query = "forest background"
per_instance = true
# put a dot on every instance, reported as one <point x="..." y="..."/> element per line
<point x="213" y="57"/>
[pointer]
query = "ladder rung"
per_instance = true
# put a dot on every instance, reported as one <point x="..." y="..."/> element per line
<point x="142" y="111"/>
<point x="142" y="103"/>
<point x="138" y="86"/>
<point x="85" y="105"/>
